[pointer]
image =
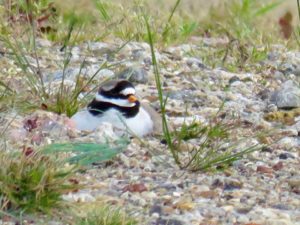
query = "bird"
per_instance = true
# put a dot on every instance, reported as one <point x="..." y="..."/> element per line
<point x="116" y="103"/>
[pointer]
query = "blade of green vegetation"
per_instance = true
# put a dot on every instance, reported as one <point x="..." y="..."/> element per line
<point x="87" y="153"/>
<point x="265" y="9"/>
<point x="103" y="11"/>
<point x="298" y="9"/>
<point x="162" y="101"/>
<point x="165" y="33"/>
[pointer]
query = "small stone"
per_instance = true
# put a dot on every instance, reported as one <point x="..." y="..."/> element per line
<point x="161" y="221"/>
<point x="264" y="169"/>
<point x="285" y="155"/>
<point x="100" y="48"/>
<point x="267" y="149"/>
<point x="168" y="210"/>
<point x="289" y="142"/>
<point x="139" y="187"/>
<point x="278" y="166"/>
<point x="208" y="194"/>
<point x="138" y="54"/>
<point x="232" y="185"/>
<point x="185" y="205"/>
<point x="281" y="207"/>
<point x="294" y="182"/>
<point x="177" y="194"/>
<point x="233" y="79"/>
<point x="244" y="210"/>
<point x="124" y="159"/>
<point x="287" y="68"/>
<point x="217" y="183"/>
<point x="287" y="96"/>
<point x="155" y="209"/>
<point x="134" y="74"/>
<point x="253" y="224"/>
<point x="194" y="62"/>
<point x="80" y="196"/>
<point x="264" y="94"/>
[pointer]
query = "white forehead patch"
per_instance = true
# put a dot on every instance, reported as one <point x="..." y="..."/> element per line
<point x="128" y="91"/>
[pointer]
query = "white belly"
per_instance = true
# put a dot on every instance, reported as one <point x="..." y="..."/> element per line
<point x="140" y="125"/>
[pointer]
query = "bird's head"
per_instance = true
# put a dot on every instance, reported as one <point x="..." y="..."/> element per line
<point x="118" y="92"/>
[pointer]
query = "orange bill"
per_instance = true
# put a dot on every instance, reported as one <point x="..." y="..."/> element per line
<point x="132" y="98"/>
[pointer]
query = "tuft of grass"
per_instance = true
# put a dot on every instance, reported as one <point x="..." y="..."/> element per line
<point x="38" y="94"/>
<point x="98" y="20"/>
<point x="213" y="150"/>
<point x="32" y="182"/>
<point x="240" y="18"/>
<point x="106" y="215"/>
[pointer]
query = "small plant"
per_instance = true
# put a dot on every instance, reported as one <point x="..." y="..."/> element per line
<point x="213" y="149"/>
<point x="36" y="93"/>
<point x="33" y="182"/>
<point x="106" y="215"/>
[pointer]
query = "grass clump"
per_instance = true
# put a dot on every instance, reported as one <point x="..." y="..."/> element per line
<point x="106" y="215"/>
<point x="241" y="20"/>
<point x="32" y="182"/>
<point x="212" y="146"/>
<point x="58" y="96"/>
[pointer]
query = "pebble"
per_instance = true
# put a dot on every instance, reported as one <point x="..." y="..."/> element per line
<point x="233" y="79"/>
<point x="285" y="155"/>
<point x="287" y="96"/>
<point x="161" y="221"/>
<point x="264" y="169"/>
<point x="134" y="74"/>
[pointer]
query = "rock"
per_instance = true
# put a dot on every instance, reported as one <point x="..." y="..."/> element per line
<point x="287" y="68"/>
<point x="134" y="74"/>
<point x="138" y="187"/>
<point x="264" y="94"/>
<point x="233" y="79"/>
<point x="294" y="182"/>
<point x="156" y="209"/>
<point x="184" y="204"/>
<point x="231" y="184"/>
<point x="277" y="166"/>
<point x="81" y="196"/>
<point x="183" y="95"/>
<point x="138" y="54"/>
<point x="289" y="142"/>
<point x="208" y="194"/>
<point x="267" y="149"/>
<point x="194" y="62"/>
<point x="100" y="48"/>
<point x="161" y="221"/>
<point x="287" y="96"/>
<point x="285" y="156"/>
<point x="281" y="206"/>
<point x="264" y="169"/>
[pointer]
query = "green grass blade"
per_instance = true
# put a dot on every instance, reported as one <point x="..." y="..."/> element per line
<point x="265" y="9"/>
<point x="87" y="153"/>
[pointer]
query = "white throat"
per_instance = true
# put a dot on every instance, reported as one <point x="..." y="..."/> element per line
<point x="116" y="101"/>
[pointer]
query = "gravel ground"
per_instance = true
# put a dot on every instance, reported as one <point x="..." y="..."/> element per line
<point x="262" y="188"/>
